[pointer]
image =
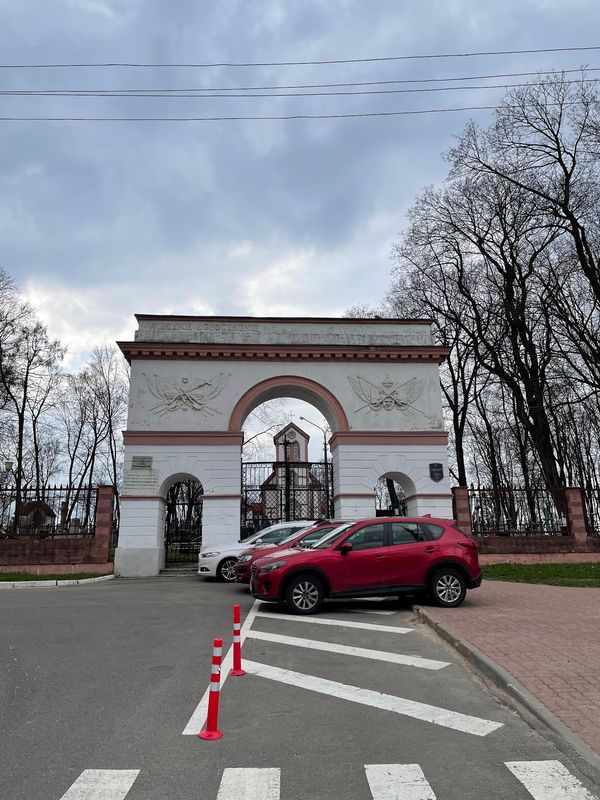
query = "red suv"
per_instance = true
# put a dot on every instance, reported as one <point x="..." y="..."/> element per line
<point x="303" y="538"/>
<point x="372" y="558"/>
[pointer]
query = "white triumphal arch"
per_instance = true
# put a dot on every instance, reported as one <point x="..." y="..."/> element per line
<point x="194" y="380"/>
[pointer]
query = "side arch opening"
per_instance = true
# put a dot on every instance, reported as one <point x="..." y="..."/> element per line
<point x="183" y="495"/>
<point x="391" y="492"/>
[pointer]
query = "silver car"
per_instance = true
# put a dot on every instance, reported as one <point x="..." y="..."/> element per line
<point x="218" y="561"/>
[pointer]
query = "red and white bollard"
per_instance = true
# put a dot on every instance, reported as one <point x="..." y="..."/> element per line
<point x="210" y="730"/>
<point x="237" y="644"/>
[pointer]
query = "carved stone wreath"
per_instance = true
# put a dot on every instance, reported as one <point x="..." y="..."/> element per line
<point x="388" y="395"/>
<point x="185" y="393"/>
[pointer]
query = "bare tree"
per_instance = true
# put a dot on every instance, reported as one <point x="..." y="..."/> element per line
<point x="109" y="380"/>
<point x="27" y="360"/>
<point x="421" y="289"/>
<point x="270" y="417"/>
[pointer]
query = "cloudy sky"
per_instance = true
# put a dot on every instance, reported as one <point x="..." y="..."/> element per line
<point x="99" y="220"/>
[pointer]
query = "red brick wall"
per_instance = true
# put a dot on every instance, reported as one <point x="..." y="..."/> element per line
<point x="536" y="544"/>
<point x="526" y="544"/>
<point x="461" y="509"/>
<point x="77" y="550"/>
<point x="64" y="569"/>
<point x="576" y="514"/>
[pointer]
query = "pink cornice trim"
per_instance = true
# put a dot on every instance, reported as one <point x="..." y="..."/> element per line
<point x="357" y="495"/>
<point x="253" y="396"/>
<point x="143" y="497"/>
<point x="429" y="496"/>
<point x="183" y="437"/>
<point x="221" y="497"/>
<point x="389" y="437"/>
<point x="282" y="352"/>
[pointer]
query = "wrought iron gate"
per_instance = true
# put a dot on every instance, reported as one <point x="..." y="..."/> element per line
<point x="279" y="491"/>
<point x="183" y="523"/>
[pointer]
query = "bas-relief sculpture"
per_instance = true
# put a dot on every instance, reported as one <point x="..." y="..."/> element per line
<point x="390" y="396"/>
<point x="185" y="393"/>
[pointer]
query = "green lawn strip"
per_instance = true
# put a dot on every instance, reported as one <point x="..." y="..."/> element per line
<point x="13" y="577"/>
<point x="581" y="574"/>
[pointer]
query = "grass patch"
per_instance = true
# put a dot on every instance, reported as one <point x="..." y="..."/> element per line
<point x="587" y="574"/>
<point x="13" y="577"/>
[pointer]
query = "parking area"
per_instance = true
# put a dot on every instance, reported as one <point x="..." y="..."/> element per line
<point x="103" y="692"/>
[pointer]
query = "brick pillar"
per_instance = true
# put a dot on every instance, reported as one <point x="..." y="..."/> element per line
<point x="461" y="508"/>
<point x="576" y="517"/>
<point x="105" y="500"/>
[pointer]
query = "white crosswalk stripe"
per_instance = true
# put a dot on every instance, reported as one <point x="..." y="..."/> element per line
<point x="367" y="697"/>
<point x="398" y="782"/>
<point x="342" y="649"/>
<point x="338" y="623"/>
<point x="102" y="784"/>
<point x="549" y="780"/>
<point x="544" y="780"/>
<point x="249" y="784"/>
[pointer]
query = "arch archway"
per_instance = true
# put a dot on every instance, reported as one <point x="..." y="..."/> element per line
<point x="194" y="380"/>
<point x="290" y="386"/>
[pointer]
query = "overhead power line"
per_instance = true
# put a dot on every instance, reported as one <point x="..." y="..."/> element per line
<point x="198" y="96"/>
<point x="248" y="119"/>
<point x="321" y="62"/>
<point x="318" y="85"/>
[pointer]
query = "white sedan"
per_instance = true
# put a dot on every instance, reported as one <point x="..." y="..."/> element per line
<point x="218" y="561"/>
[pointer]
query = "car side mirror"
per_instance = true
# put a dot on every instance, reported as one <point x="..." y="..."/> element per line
<point x="345" y="548"/>
<point x="258" y="541"/>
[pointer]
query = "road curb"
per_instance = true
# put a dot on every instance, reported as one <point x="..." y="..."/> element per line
<point x="52" y="583"/>
<point x="511" y="686"/>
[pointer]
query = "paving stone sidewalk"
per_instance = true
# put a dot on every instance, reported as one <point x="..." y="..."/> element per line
<point x="547" y="637"/>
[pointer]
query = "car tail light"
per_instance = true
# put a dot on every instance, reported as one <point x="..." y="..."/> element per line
<point x="468" y="544"/>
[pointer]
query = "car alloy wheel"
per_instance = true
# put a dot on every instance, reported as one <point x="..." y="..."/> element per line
<point x="304" y="595"/>
<point x="448" y="588"/>
<point x="226" y="570"/>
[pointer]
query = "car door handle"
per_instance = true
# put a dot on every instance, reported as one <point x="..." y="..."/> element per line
<point x="380" y="558"/>
<point x="431" y="549"/>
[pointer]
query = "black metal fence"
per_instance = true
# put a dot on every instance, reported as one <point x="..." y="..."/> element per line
<point x="183" y="522"/>
<point x="518" y="512"/>
<point x="278" y="491"/>
<point x="47" y="512"/>
<point x="591" y="505"/>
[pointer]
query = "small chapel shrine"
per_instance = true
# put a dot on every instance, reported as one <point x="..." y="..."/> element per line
<point x="307" y="501"/>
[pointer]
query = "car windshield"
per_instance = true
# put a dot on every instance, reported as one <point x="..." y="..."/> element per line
<point x="293" y="535"/>
<point x="266" y="535"/>
<point x="331" y="536"/>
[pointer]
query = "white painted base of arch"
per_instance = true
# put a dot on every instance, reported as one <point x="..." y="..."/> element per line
<point x="142" y="525"/>
<point x="141" y="562"/>
<point x="141" y="551"/>
<point x="358" y="467"/>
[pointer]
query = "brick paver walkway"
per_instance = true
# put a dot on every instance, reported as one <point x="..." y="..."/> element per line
<point x="548" y="637"/>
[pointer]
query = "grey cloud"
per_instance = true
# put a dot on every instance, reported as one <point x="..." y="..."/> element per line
<point x="90" y="205"/>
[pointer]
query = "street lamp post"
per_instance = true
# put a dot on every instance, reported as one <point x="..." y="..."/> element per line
<point x="325" y="461"/>
<point x="286" y="478"/>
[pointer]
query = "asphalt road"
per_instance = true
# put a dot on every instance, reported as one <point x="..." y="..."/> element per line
<point x="108" y="676"/>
